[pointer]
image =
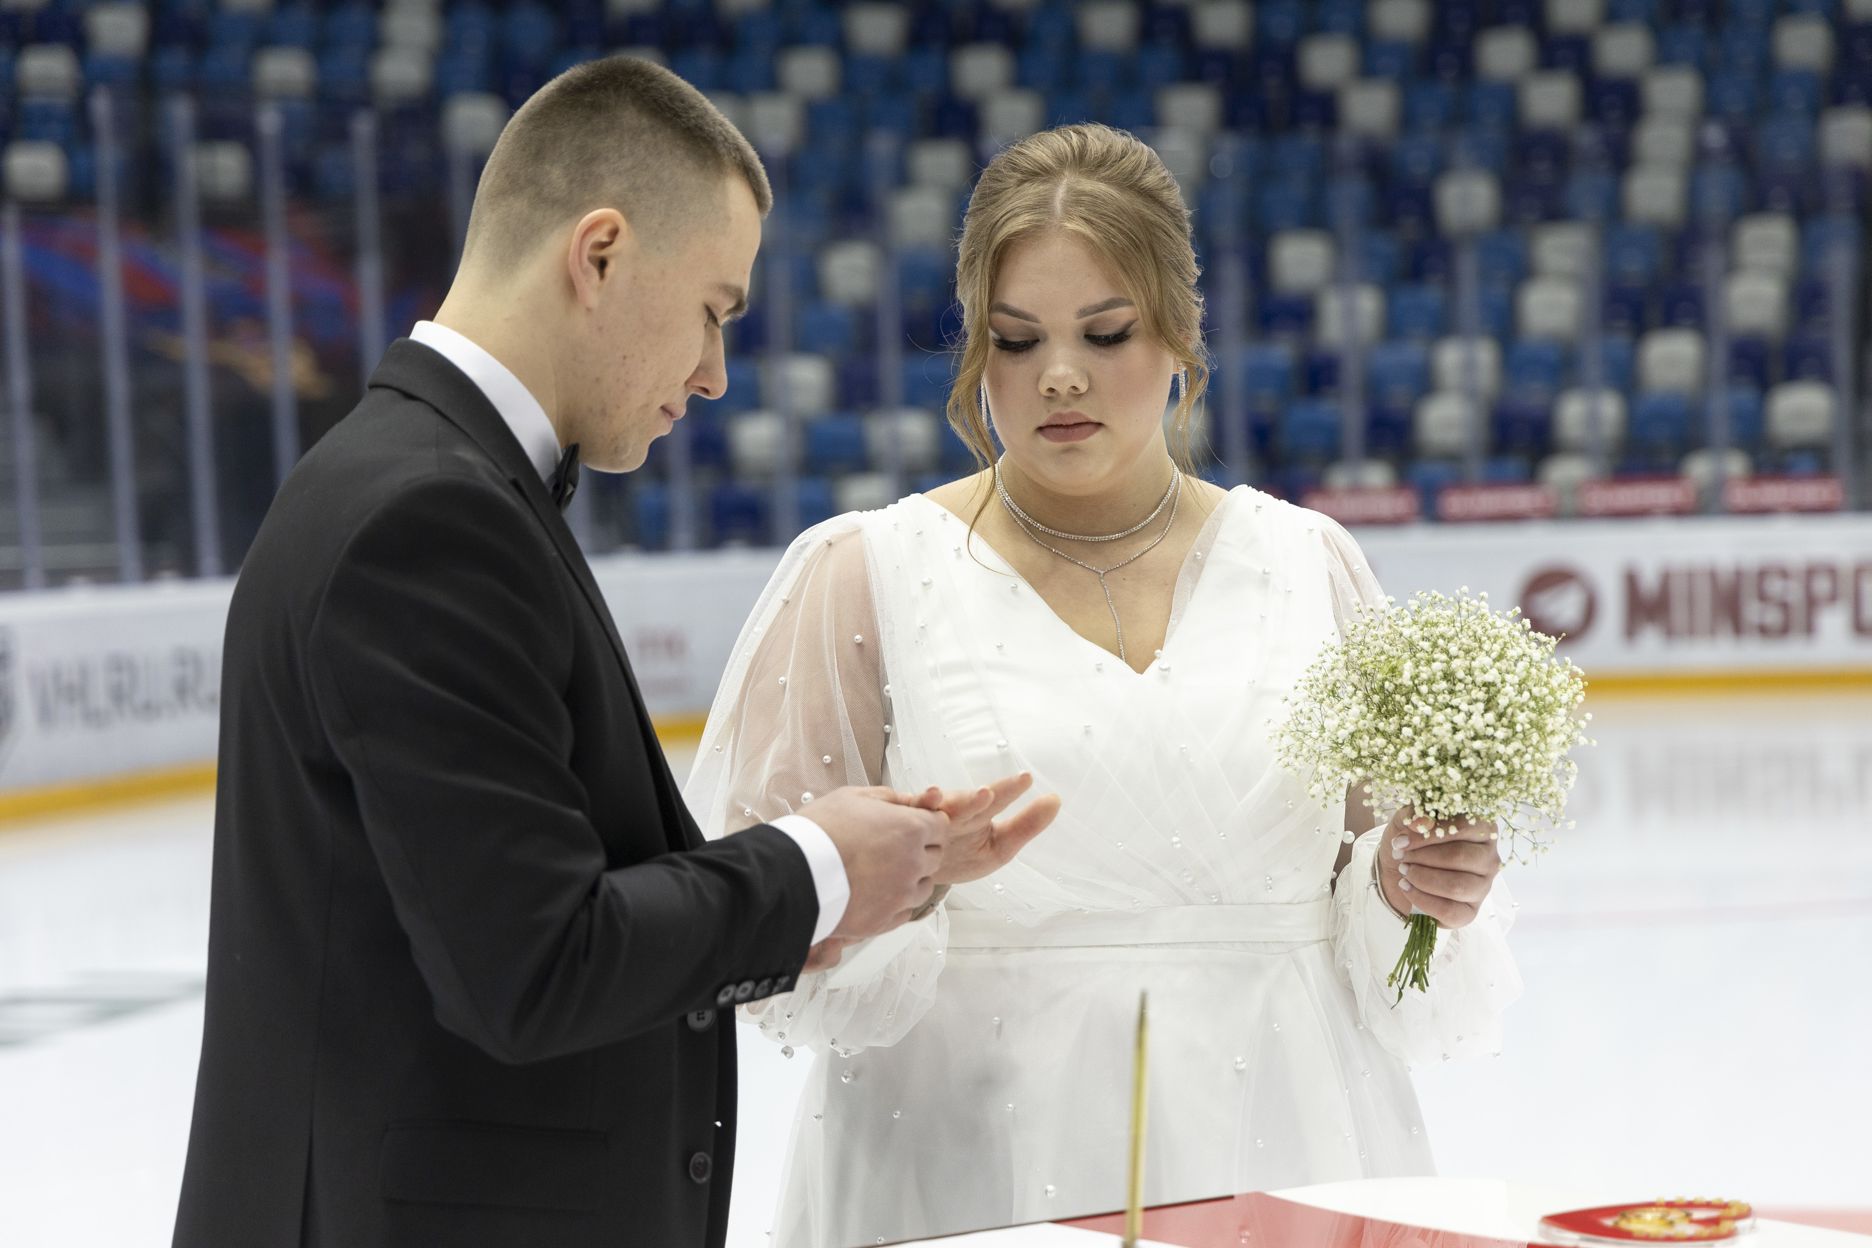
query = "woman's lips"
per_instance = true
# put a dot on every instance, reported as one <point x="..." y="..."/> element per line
<point x="1078" y="431"/>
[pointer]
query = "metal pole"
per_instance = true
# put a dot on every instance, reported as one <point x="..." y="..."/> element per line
<point x="20" y="393"/>
<point x="204" y="507"/>
<point x="1843" y="263"/>
<point x="279" y="291"/>
<point x="116" y="361"/>
<point x="887" y="304"/>
<point x="1231" y="315"/>
<point x="461" y="197"/>
<point x="779" y="301"/>
<point x="1716" y="366"/>
<point x="372" y="338"/>
<point x="1351" y="349"/>
<point x="1469" y="322"/>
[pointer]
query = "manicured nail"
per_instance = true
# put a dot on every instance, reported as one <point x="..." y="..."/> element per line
<point x="1404" y="884"/>
<point x="1400" y="843"/>
<point x="1403" y="868"/>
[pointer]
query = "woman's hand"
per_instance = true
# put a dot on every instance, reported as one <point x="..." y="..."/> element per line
<point x="1444" y="874"/>
<point x="978" y="844"/>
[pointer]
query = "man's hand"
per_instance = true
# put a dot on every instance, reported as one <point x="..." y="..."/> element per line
<point x="977" y="845"/>
<point x="891" y="846"/>
<point x="1443" y="870"/>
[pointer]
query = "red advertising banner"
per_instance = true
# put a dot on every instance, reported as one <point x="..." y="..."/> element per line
<point x="1459" y="503"/>
<point x="1398" y="504"/>
<point x="1642" y="496"/>
<point x="1753" y="495"/>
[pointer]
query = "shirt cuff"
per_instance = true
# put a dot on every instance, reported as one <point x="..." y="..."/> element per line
<point x="828" y="871"/>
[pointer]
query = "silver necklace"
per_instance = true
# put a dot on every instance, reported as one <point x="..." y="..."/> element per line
<point x="1007" y="501"/>
<point x="1022" y="521"/>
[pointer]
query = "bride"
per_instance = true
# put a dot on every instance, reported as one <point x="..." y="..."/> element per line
<point x="1088" y="610"/>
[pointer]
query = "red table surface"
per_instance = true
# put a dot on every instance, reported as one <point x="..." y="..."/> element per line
<point x="1262" y="1221"/>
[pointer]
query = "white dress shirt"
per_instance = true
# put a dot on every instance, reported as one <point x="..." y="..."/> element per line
<point x="534" y="431"/>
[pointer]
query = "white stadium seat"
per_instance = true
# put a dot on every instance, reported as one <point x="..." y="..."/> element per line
<point x="1468" y="201"/>
<point x="117" y="30"/>
<point x="810" y="73"/>
<point x="849" y="272"/>
<point x="1328" y="62"/>
<point x="946" y="163"/>
<point x="47" y="71"/>
<point x="1195" y="106"/>
<point x="1454" y="359"/>
<point x="1803" y="42"/>
<point x="1671" y="359"/>
<point x="284" y="73"/>
<point x="1800" y="415"/>
<point x="1560" y="249"/>
<point x="776" y="120"/>
<point x="922" y="215"/>
<point x="801" y="383"/>
<point x="978" y="70"/>
<point x="1399" y="21"/>
<point x="35" y="172"/>
<point x="1574" y="416"/>
<point x="1330" y="320"/>
<point x="874" y="29"/>
<point x="1655" y="195"/>
<point x="472" y="121"/>
<point x="1846" y="136"/>
<point x="918" y="434"/>
<point x="1550" y="100"/>
<point x="1625" y="50"/>
<point x="1549" y="307"/>
<point x="1443" y="424"/>
<point x="1574" y="17"/>
<point x="1766" y="242"/>
<point x="1222" y="24"/>
<point x="1108" y="25"/>
<point x="1300" y="261"/>
<point x="1370" y="108"/>
<point x="1664" y="140"/>
<point x="756" y="443"/>
<point x="1756" y="305"/>
<point x="1009" y="116"/>
<point x="1673" y="91"/>
<point x="1506" y="53"/>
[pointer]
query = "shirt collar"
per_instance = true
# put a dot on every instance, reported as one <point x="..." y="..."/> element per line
<point x="510" y="397"/>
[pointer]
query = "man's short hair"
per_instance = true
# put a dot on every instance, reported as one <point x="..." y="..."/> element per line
<point x="616" y="133"/>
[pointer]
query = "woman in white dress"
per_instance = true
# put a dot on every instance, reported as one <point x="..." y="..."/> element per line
<point x="1089" y="611"/>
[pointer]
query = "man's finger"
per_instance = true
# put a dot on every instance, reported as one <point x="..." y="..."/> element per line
<point x="1477" y="857"/>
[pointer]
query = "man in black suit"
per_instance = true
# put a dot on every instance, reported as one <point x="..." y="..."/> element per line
<point x="471" y="968"/>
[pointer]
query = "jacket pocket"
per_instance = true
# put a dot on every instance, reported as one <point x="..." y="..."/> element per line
<point x="473" y="1163"/>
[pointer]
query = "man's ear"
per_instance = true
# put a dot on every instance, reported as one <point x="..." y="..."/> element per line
<point x="601" y="242"/>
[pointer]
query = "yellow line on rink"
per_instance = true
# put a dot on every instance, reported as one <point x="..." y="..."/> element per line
<point x="1848" y="680"/>
<point x="127" y="789"/>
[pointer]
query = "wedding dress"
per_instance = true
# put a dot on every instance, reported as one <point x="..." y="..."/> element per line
<point x="973" y="1069"/>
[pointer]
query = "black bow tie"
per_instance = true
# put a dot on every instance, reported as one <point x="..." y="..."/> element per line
<point x="563" y="483"/>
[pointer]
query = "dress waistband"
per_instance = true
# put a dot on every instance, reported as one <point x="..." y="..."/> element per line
<point x="1299" y="923"/>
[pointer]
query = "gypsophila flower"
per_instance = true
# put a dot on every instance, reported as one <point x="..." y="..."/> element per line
<point x="1448" y="707"/>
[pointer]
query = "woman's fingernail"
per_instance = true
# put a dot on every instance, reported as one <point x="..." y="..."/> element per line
<point x="1403" y="868"/>
<point x="1404" y="884"/>
<point x="1400" y="843"/>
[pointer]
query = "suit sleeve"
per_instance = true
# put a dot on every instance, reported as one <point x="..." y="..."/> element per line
<point x="438" y="663"/>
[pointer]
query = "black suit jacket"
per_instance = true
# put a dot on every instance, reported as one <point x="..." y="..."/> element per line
<point x="468" y="956"/>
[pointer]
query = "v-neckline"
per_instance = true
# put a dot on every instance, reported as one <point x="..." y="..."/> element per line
<point x="1174" y="628"/>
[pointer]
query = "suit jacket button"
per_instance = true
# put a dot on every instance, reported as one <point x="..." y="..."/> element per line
<point x="700" y="1167"/>
<point x="745" y="992"/>
<point x="764" y="989"/>
<point x="701" y="1020"/>
<point x="725" y="997"/>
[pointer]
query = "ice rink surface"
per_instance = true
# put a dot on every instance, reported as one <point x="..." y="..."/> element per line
<point x="1698" y="958"/>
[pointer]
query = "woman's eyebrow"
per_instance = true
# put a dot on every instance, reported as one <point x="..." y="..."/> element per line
<point x="1116" y="301"/>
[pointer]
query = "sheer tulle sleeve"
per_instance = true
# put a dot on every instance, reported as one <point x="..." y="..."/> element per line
<point x="1472" y="975"/>
<point x="803" y="709"/>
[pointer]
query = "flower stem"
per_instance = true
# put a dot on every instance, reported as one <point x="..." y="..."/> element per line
<point x="1413" y="965"/>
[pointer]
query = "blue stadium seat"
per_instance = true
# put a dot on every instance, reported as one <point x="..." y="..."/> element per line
<point x="1535" y="368"/>
<point x="1285" y="316"/>
<point x="1745" y="416"/>
<point x="1660" y="421"/>
<point x="650" y="514"/>
<point x="738" y="514"/>
<point x="1749" y="363"/>
<point x="1626" y="309"/>
<point x="1310" y="430"/>
<point x="828" y="329"/>
<point x="835" y="443"/>
<point x="1807" y="358"/>
<point x="708" y="435"/>
<point x="1398" y="372"/>
<point x="1429" y="105"/>
<point x="1522" y="425"/>
<point x="1416" y="312"/>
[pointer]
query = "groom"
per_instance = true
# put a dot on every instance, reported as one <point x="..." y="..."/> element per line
<point x="471" y="969"/>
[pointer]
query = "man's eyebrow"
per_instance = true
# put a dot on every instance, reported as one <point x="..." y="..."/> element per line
<point x="1116" y="301"/>
<point x="739" y="299"/>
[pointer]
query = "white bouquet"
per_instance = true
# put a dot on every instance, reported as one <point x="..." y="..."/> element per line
<point x="1450" y="708"/>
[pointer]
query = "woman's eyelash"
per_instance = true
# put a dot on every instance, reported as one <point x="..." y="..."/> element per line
<point x="1017" y="345"/>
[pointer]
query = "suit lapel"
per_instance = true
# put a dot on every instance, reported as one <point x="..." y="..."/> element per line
<point x="425" y="375"/>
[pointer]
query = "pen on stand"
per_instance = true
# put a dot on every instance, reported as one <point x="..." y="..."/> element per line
<point x="1134" y="1200"/>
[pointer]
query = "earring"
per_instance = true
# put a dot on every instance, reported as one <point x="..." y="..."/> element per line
<point x="1179" y="383"/>
<point x="982" y="398"/>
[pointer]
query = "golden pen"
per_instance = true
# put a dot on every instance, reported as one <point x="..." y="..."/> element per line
<point x="1134" y="1201"/>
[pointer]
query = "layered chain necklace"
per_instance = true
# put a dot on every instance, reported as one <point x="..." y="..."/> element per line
<point x="1033" y="529"/>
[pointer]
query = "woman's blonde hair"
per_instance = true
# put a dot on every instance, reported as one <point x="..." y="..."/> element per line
<point x="1112" y="191"/>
